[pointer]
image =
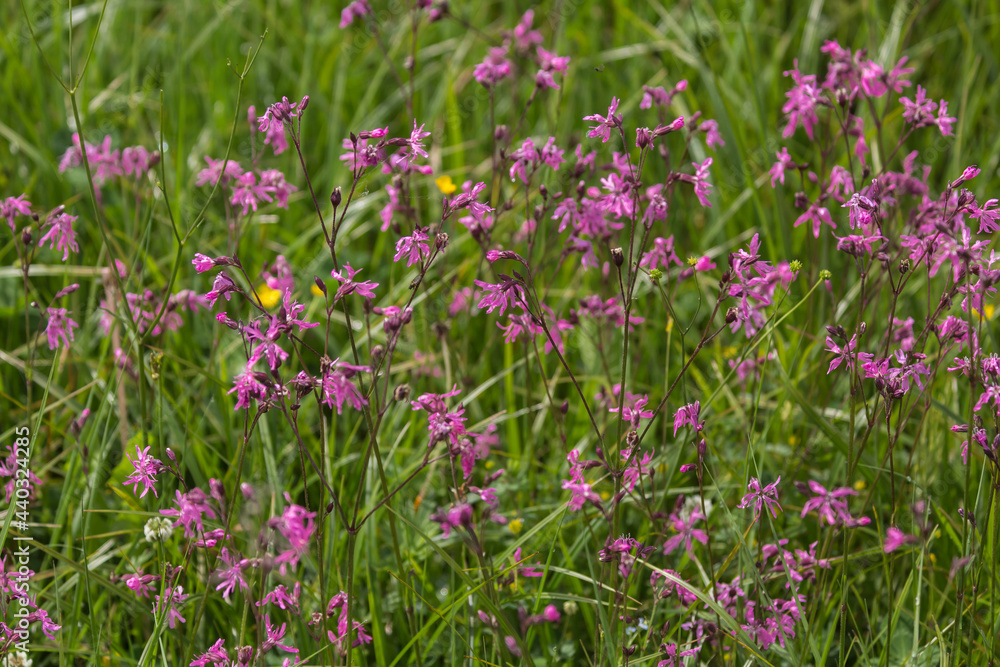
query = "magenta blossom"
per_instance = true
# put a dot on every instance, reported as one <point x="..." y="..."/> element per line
<point x="192" y="507"/>
<point x="895" y="538"/>
<point x="59" y="329"/>
<point x="700" y="182"/>
<point x="350" y="286"/>
<point x="758" y="498"/>
<point x="778" y="168"/>
<point x="414" y="247"/>
<point x="145" y="469"/>
<point x="686" y="532"/>
<point x="354" y="10"/>
<point x="605" y="123"/>
<point x="803" y="99"/>
<point x="338" y="388"/>
<point x="688" y="416"/>
<point x="828" y="504"/>
<point x="494" y="68"/>
<point x="633" y="413"/>
<point x="11" y="207"/>
<point x="60" y="234"/>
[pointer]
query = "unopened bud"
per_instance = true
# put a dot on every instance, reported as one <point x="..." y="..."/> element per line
<point x="320" y="284"/>
<point x="66" y="291"/>
<point x="837" y="332"/>
<point x="26" y="236"/>
<point x="441" y="241"/>
<point x="618" y="256"/>
<point x="401" y="392"/>
<point x="732" y="314"/>
<point x="336" y="197"/>
<point x="843" y="97"/>
<point x="377" y="352"/>
<point x="965" y="198"/>
<point x="904" y="265"/>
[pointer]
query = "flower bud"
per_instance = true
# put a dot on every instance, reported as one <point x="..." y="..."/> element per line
<point x="965" y="198"/>
<point x="303" y="104"/>
<point x="401" y="392"/>
<point x="732" y="315"/>
<point x="336" y="197"/>
<point x="843" y="97"/>
<point x="618" y="256"/>
<point x="441" y="241"/>
<point x="320" y="284"/>
<point x="837" y="332"/>
<point x="26" y="236"/>
<point x="643" y="137"/>
<point x="904" y="265"/>
<point x="66" y="291"/>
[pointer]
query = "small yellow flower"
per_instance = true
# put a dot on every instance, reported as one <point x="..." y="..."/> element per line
<point x="692" y="260"/>
<point x="933" y="558"/>
<point x="316" y="291"/>
<point x="516" y="526"/>
<point x="489" y="465"/>
<point x="269" y="298"/>
<point x="860" y="485"/>
<point x="445" y="185"/>
<point x="793" y="440"/>
<point x="670" y="325"/>
<point x="988" y="311"/>
<point x="729" y="352"/>
<point x="605" y="495"/>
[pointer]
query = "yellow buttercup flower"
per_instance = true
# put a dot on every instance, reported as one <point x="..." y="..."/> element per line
<point x="316" y="291"/>
<point x="269" y="298"/>
<point x="860" y="485"/>
<point x="445" y="185"/>
<point x="729" y="352"/>
<point x="515" y="526"/>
